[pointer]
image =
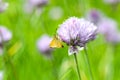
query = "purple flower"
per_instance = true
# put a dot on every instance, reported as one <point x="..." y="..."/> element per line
<point x="76" y="33"/>
<point x="43" y="45"/>
<point x="38" y="3"/>
<point x="94" y="16"/>
<point x="3" y="6"/>
<point x="5" y="34"/>
<point x="108" y="28"/>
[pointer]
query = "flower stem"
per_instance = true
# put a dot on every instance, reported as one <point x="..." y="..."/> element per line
<point x="88" y="63"/>
<point x="77" y="66"/>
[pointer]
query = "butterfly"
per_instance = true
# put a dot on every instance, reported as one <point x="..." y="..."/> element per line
<point x="56" y="43"/>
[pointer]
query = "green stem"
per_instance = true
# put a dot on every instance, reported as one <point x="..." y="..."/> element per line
<point x="77" y="66"/>
<point x="88" y="63"/>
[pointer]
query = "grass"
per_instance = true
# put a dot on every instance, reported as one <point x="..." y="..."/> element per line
<point x="29" y="64"/>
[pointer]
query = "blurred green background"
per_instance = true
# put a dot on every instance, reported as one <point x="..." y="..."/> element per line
<point x="28" y="64"/>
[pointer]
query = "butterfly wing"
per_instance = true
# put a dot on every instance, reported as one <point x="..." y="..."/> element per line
<point x="56" y="43"/>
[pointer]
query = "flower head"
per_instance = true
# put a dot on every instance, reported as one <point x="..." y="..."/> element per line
<point x="5" y="34"/>
<point x="94" y="16"/>
<point x="108" y="28"/>
<point x="43" y="45"/>
<point x="38" y="3"/>
<point x="76" y="32"/>
<point x="3" y="6"/>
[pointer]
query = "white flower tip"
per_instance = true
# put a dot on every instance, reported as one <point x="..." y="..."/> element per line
<point x="80" y="48"/>
<point x="69" y="52"/>
<point x="72" y="50"/>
